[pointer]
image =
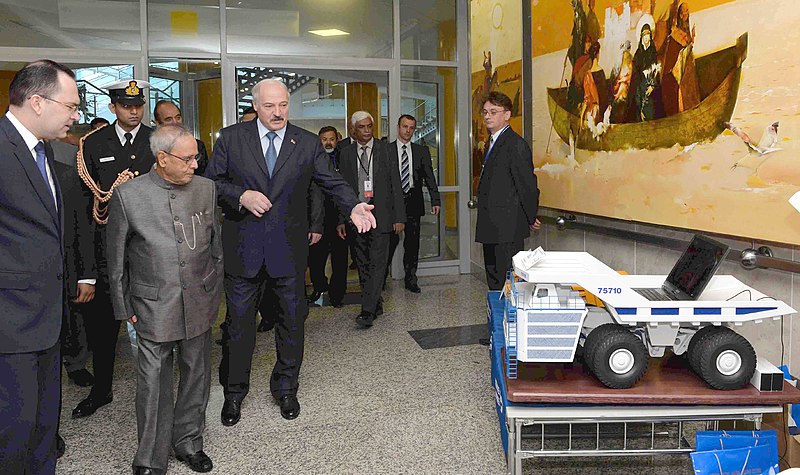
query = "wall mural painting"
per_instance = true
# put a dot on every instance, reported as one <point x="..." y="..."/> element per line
<point x="496" y="37"/>
<point x="673" y="112"/>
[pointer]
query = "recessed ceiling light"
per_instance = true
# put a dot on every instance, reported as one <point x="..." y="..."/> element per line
<point x="329" y="32"/>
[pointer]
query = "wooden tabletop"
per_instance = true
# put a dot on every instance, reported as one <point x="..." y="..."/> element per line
<point x="667" y="381"/>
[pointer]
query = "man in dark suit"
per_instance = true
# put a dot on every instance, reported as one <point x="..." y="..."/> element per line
<point x="414" y="162"/>
<point x="369" y="168"/>
<point x="263" y="169"/>
<point x="80" y="274"/>
<point x="110" y="156"/>
<point x="168" y="113"/>
<point x="330" y="244"/>
<point x="508" y="194"/>
<point x="43" y="103"/>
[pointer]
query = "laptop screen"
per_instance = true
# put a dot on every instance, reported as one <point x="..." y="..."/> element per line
<point x="697" y="265"/>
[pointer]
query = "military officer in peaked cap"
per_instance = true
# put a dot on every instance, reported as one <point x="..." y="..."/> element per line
<point x="108" y="157"/>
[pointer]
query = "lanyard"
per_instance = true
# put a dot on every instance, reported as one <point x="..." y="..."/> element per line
<point x="369" y="162"/>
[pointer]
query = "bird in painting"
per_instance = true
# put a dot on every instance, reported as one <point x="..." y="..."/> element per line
<point x="598" y="129"/>
<point x="766" y="145"/>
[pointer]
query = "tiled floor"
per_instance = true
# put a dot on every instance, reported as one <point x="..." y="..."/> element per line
<point x="373" y="402"/>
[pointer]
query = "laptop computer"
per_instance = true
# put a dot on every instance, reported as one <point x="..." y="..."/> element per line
<point x="692" y="272"/>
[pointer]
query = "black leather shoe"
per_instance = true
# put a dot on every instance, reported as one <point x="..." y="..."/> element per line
<point x="337" y="304"/>
<point x="314" y="296"/>
<point x="137" y="470"/>
<point x="61" y="446"/>
<point x="81" y="377"/>
<point x="290" y="406"/>
<point x="265" y="325"/>
<point x="88" y="406"/>
<point x="365" y="319"/>
<point x="198" y="461"/>
<point x="413" y="288"/>
<point x="231" y="412"/>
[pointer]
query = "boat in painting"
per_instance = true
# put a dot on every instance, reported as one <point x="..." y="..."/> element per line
<point x="718" y="75"/>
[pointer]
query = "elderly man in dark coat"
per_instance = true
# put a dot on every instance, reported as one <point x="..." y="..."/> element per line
<point x="165" y="270"/>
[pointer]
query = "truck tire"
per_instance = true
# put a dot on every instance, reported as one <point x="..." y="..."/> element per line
<point x="590" y="344"/>
<point x="693" y="352"/>
<point x="619" y="359"/>
<point x="726" y="359"/>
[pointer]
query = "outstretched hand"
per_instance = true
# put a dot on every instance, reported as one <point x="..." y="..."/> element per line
<point x="362" y="217"/>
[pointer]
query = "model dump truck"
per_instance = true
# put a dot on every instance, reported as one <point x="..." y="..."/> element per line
<point x="546" y="320"/>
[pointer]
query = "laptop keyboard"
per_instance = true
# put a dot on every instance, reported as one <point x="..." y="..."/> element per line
<point x="654" y="294"/>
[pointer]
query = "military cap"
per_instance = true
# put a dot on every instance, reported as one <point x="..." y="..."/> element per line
<point x="128" y="91"/>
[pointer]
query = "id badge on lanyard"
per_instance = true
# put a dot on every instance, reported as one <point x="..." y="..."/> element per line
<point x="368" y="188"/>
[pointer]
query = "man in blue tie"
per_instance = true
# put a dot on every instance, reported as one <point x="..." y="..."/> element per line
<point x="508" y="194"/>
<point x="43" y="103"/>
<point x="263" y="169"/>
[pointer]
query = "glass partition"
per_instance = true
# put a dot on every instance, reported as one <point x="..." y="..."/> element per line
<point x="322" y="97"/>
<point x="429" y="94"/>
<point x="428" y="29"/>
<point x="91" y="87"/>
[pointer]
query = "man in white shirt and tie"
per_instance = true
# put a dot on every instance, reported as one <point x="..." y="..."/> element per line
<point x="43" y="103"/>
<point x="416" y="169"/>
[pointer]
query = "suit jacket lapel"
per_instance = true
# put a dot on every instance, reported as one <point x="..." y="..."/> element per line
<point x="31" y="170"/>
<point x="254" y="142"/>
<point x="501" y="140"/>
<point x="287" y="148"/>
<point x="377" y="159"/>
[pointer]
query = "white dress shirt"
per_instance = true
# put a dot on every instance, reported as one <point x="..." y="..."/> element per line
<point x="121" y="132"/>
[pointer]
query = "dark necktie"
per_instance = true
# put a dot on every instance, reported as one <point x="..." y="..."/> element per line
<point x="405" y="171"/>
<point x="128" y="139"/>
<point x="488" y="148"/>
<point x="364" y="151"/>
<point x="272" y="155"/>
<point x="41" y="163"/>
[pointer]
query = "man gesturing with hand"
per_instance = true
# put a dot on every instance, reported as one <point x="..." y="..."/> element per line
<point x="263" y="169"/>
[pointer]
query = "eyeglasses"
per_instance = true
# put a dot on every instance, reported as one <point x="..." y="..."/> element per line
<point x="184" y="159"/>
<point x="493" y="112"/>
<point x="72" y="107"/>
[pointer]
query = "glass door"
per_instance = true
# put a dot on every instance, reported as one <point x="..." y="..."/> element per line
<point x="196" y="88"/>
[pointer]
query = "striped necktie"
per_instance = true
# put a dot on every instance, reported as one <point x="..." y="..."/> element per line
<point x="405" y="171"/>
